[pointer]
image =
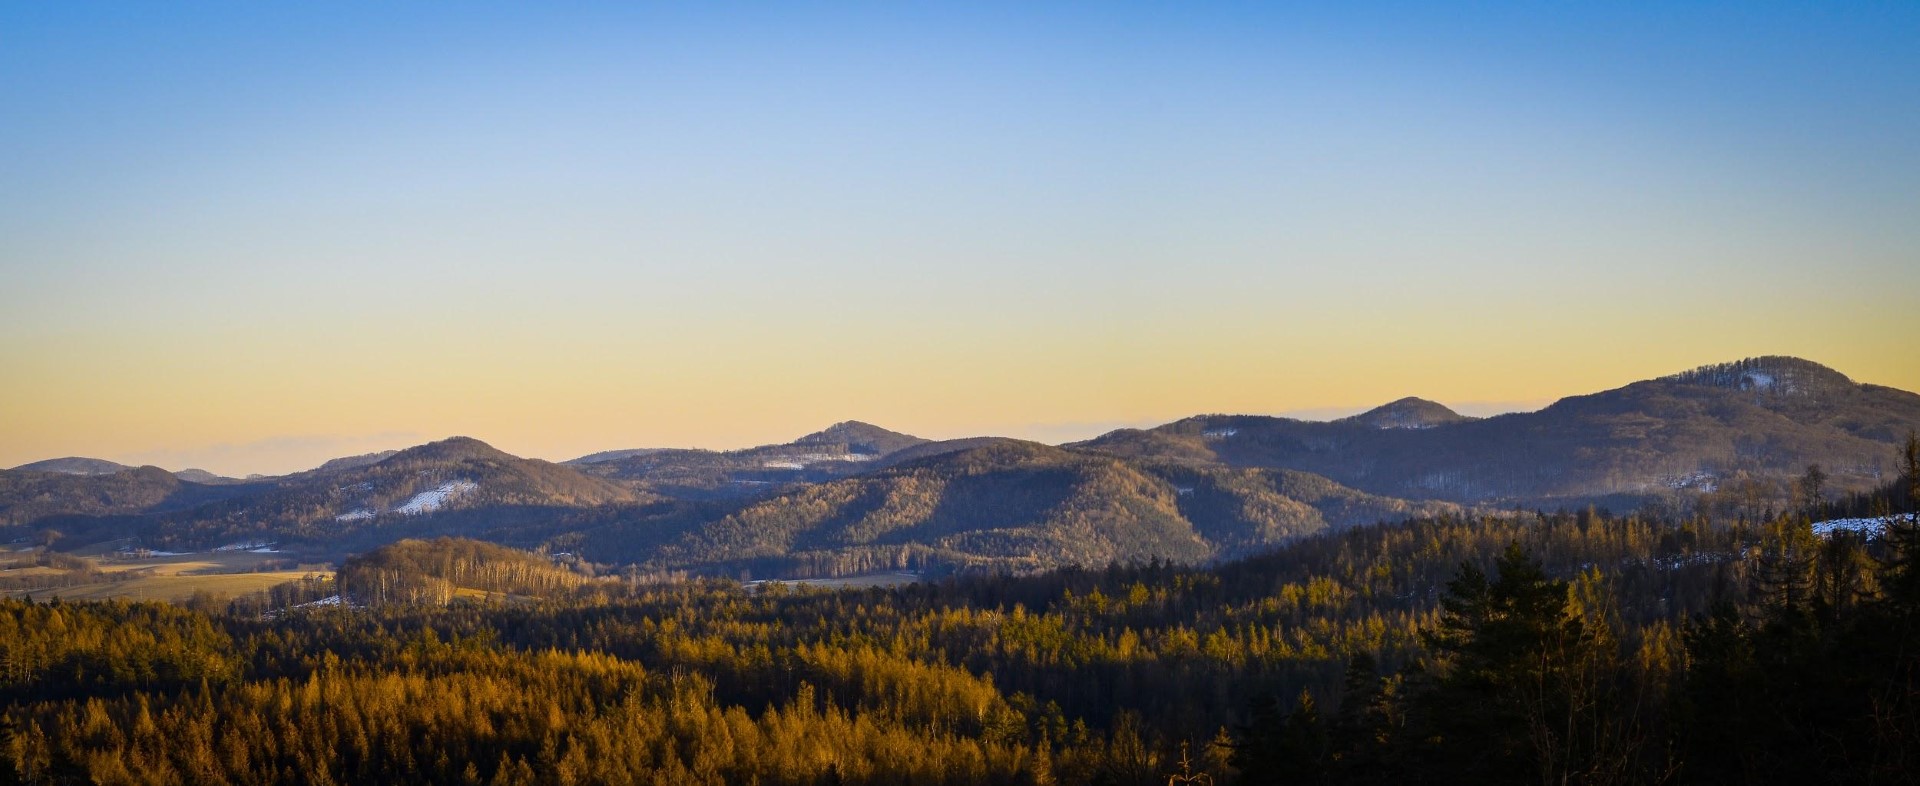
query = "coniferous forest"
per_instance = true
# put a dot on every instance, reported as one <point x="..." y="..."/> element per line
<point x="1523" y="648"/>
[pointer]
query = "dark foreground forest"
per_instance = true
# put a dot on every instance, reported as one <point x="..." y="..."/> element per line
<point x="1527" y="648"/>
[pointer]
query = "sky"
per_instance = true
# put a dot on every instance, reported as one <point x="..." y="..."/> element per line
<point x="249" y="237"/>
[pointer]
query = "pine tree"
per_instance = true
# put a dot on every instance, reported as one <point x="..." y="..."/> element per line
<point x="1843" y="577"/>
<point x="1504" y="648"/>
<point x="1258" y="753"/>
<point x="1813" y="486"/>
<point x="1783" y="580"/>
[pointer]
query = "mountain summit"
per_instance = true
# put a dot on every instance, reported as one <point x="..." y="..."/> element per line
<point x="861" y="437"/>
<point x="450" y="449"/>
<point x="1408" y="412"/>
<point x="837" y="451"/>
<point x="1776" y="374"/>
<point x="74" y="465"/>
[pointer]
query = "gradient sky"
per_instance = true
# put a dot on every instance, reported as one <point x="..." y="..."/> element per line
<point x="249" y="237"/>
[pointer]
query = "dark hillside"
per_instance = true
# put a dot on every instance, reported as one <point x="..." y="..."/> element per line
<point x="1688" y="433"/>
<point x="1023" y="506"/>
<point x="28" y="497"/>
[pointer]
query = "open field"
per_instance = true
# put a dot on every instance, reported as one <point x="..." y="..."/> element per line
<point x="488" y="596"/>
<point x="198" y="563"/>
<point x="169" y="588"/>
<point x="35" y="570"/>
<point x="171" y="577"/>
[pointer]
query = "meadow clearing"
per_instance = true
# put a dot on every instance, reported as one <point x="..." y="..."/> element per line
<point x="111" y="573"/>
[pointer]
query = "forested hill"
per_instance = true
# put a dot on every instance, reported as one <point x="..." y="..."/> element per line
<point x="28" y="497"/>
<point x="74" y="465"/>
<point x="353" y="462"/>
<point x="1756" y="421"/>
<point x="854" y="436"/>
<point x="354" y="505"/>
<point x="93" y="467"/>
<point x="464" y="487"/>
<point x="1024" y="506"/>
<point x="443" y="478"/>
<point x="1408" y="412"/>
<point x="838" y="451"/>
<point x="437" y="571"/>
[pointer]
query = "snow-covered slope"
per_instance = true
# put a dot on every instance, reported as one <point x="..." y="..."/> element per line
<point x="424" y="502"/>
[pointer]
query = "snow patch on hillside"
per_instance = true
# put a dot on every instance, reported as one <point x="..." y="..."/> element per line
<point x="355" y="515"/>
<point x="432" y="500"/>
<point x="1698" y="481"/>
<point x="801" y="461"/>
<point x="1867" y="526"/>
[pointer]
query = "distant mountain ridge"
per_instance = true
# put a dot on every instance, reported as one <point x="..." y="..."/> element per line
<point x="203" y="476"/>
<point x="74" y="465"/>
<point x="33" y="494"/>
<point x="854" y="497"/>
<point x="454" y="473"/>
<point x="93" y="467"/>
<point x="1767" y="416"/>
<point x="397" y="492"/>
<point x="354" y="462"/>
<point x="840" y="450"/>
<point x="861" y="438"/>
<point x="1408" y="412"/>
<point x="612" y="455"/>
<point x="1015" y="505"/>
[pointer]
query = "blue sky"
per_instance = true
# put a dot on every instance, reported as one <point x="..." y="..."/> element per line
<point x="601" y="226"/>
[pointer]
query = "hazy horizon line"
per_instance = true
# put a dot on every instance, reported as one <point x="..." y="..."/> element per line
<point x="222" y="458"/>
